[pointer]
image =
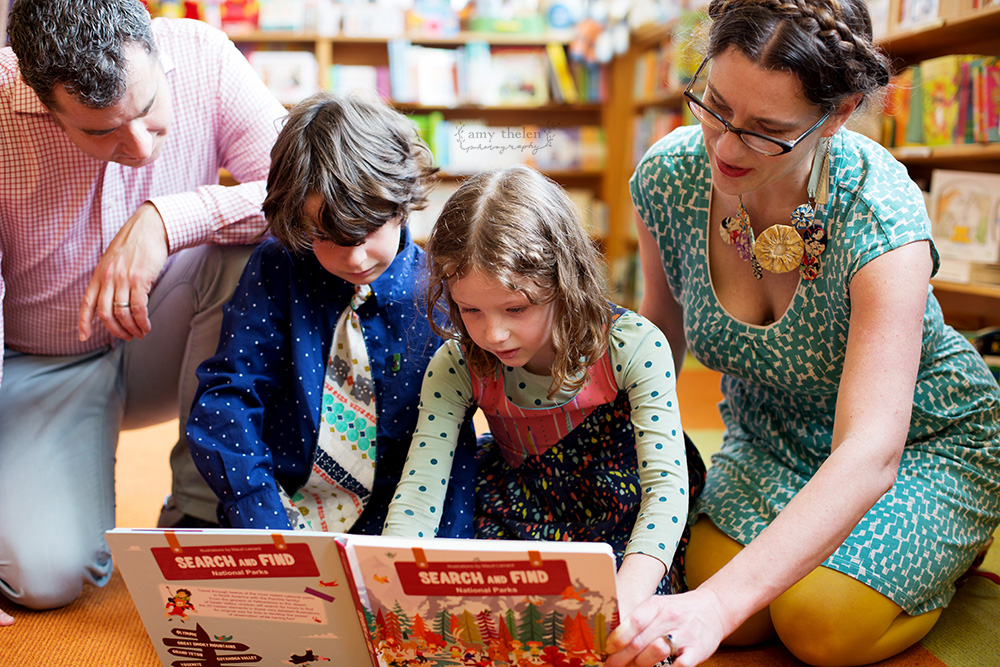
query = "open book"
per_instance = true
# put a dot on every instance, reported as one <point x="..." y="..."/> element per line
<point x="222" y="597"/>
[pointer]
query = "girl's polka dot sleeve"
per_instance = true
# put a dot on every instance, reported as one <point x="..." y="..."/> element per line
<point x="643" y="365"/>
<point x="445" y="397"/>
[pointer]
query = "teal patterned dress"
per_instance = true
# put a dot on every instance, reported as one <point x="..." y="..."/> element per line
<point x="780" y="381"/>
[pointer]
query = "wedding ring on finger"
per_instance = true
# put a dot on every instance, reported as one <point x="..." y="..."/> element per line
<point x="119" y="304"/>
<point x="673" y="648"/>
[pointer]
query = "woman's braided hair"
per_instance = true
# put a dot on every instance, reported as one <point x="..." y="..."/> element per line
<point x="827" y="44"/>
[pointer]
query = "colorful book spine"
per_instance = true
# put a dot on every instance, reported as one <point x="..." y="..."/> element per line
<point x="563" y="77"/>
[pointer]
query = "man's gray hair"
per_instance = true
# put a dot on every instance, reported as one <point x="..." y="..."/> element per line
<point x="79" y="44"/>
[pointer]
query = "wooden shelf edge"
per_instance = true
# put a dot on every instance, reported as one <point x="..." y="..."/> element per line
<point x="494" y="38"/>
<point x="947" y="34"/>
<point x="412" y="107"/>
<point x="972" y="289"/>
<point x="554" y="174"/>
<point x="667" y="98"/>
<point x="953" y="152"/>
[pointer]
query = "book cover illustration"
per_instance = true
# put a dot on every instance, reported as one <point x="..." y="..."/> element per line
<point x="502" y="604"/>
<point x="520" y="76"/>
<point x="940" y="84"/>
<point x="220" y="597"/>
<point x="965" y="215"/>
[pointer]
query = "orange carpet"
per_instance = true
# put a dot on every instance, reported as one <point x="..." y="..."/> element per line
<point x="103" y="629"/>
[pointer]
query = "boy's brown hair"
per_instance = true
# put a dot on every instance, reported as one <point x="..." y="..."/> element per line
<point x="363" y="158"/>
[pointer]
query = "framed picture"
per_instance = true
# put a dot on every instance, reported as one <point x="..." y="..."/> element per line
<point x="965" y="214"/>
<point x="290" y="75"/>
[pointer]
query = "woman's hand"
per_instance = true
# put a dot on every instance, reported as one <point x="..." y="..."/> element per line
<point x="693" y="622"/>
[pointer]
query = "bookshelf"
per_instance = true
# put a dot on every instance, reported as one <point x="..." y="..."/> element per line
<point x="967" y="306"/>
<point x="976" y="31"/>
<point x="593" y="173"/>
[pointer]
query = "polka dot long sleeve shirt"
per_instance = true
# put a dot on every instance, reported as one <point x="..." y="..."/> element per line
<point x="641" y="363"/>
<point x="254" y="421"/>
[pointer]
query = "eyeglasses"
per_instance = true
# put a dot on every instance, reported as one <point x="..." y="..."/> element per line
<point x="754" y="140"/>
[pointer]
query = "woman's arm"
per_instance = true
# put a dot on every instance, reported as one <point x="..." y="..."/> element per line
<point x="888" y="298"/>
<point x="658" y="302"/>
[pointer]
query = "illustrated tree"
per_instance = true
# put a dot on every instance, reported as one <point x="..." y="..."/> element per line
<point x="505" y="637"/>
<point x="468" y="628"/>
<point x="442" y="625"/>
<point x="370" y="622"/>
<point x="553" y="629"/>
<point x="392" y="629"/>
<point x="601" y="632"/>
<point x="379" y="634"/>
<point x="510" y="620"/>
<point x="529" y="629"/>
<point x="420" y="628"/>
<point x="405" y="625"/>
<point x="579" y="637"/>
<point x="484" y="620"/>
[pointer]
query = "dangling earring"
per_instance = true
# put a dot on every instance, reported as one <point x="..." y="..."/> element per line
<point x="782" y="248"/>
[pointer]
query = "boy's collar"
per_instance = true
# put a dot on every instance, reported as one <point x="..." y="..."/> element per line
<point x="397" y="280"/>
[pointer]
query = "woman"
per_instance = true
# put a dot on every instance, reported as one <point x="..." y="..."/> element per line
<point x="859" y="474"/>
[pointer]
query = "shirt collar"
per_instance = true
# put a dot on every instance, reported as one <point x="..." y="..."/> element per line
<point x="397" y="281"/>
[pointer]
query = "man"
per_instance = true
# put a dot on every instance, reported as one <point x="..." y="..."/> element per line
<point x="117" y="250"/>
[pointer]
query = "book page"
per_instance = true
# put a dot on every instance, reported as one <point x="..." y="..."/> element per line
<point x="217" y="597"/>
<point x="481" y="602"/>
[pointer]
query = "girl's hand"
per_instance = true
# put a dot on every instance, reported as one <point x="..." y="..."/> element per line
<point x="637" y="579"/>
<point x="5" y="619"/>
<point x="693" y="621"/>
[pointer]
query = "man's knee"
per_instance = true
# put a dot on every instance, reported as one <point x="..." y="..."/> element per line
<point x="50" y="576"/>
<point x="215" y="270"/>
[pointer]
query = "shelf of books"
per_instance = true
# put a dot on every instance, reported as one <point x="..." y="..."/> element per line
<point x="942" y="120"/>
<point x="935" y="35"/>
<point x="516" y="91"/>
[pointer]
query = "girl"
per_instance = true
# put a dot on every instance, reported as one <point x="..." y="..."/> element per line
<point x="579" y="394"/>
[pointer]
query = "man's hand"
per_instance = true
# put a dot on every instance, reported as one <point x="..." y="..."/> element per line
<point x="119" y="290"/>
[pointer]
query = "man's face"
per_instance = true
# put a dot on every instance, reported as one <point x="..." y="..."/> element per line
<point x="131" y="132"/>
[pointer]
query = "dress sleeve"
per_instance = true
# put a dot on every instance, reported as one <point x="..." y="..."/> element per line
<point x="226" y="425"/>
<point x="643" y="365"/>
<point x="445" y="398"/>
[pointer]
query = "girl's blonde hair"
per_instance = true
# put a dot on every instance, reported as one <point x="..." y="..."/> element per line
<point x="519" y="227"/>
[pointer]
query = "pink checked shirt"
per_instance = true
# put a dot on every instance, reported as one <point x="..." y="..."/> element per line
<point x="60" y="209"/>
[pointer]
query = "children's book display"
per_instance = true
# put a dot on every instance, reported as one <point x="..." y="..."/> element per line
<point x="951" y="99"/>
<point x="965" y="217"/>
<point x="210" y="598"/>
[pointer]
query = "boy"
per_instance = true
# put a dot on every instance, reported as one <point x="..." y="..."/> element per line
<point x="304" y="415"/>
